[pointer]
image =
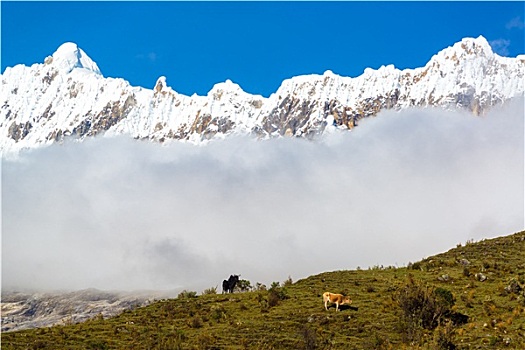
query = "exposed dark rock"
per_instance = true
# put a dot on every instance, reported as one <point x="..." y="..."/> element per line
<point x="18" y="131"/>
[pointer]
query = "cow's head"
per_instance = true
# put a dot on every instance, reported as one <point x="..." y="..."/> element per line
<point x="234" y="278"/>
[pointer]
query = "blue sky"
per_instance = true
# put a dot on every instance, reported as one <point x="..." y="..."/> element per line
<point x="255" y="44"/>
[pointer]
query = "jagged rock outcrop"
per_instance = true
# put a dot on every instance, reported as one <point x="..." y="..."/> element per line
<point x="67" y="96"/>
<point x="33" y="310"/>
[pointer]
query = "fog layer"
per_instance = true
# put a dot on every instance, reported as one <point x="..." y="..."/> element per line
<point x="115" y="213"/>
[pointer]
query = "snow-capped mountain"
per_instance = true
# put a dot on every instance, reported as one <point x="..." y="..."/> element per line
<point x="67" y="95"/>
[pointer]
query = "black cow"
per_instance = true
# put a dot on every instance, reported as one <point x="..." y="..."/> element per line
<point x="229" y="285"/>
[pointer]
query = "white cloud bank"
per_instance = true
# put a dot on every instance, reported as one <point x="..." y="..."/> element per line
<point x="114" y="213"/>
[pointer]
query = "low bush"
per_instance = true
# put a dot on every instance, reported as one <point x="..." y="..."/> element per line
<point x="187" y="294"/>
<point x="422" y="307"/>
<point x="210" y="291"/>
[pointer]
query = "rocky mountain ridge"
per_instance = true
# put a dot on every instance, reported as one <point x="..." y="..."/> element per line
<point x="67" y="96"/>
<point x="33" y="310"/>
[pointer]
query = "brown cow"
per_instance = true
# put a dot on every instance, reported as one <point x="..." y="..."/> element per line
<point x="337" y="299"/>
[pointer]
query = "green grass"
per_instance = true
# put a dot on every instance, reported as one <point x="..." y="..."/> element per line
<point x="293" y="316"/>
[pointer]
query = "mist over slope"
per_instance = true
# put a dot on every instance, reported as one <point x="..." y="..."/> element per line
<point x="116" y="213"/>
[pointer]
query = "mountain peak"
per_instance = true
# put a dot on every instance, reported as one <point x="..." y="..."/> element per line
<point x="471" y="47"/>
<point x="478" y="45"/>
<point x="226" y="86"/>
<point x="466" y="50"/>
<point x="69" y="56"/>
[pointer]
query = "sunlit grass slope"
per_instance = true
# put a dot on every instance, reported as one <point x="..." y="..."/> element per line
<point x="470" y="297"/>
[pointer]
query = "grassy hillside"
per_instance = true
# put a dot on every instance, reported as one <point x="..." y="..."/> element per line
<point x="423" y="306"/>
